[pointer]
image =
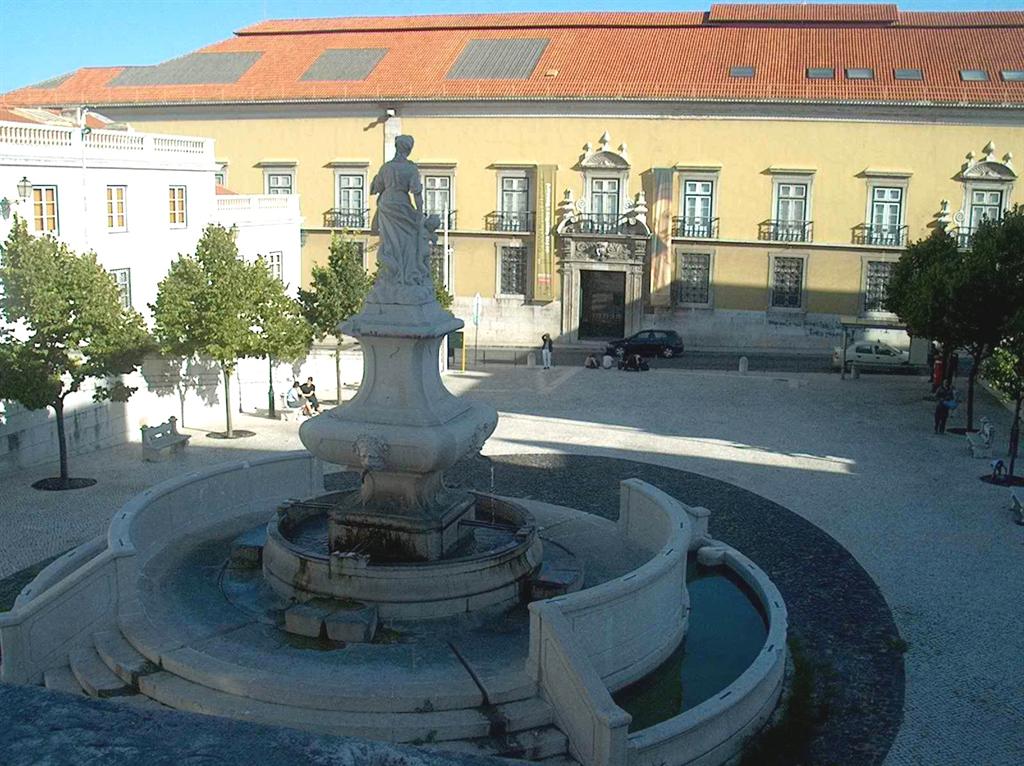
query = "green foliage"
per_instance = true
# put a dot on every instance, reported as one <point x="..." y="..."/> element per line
<point x="74" y="325"/>
<point x="1004" y="370"/>
<point x="337" y="289"/>
<point x="278" y="321"/>
<point x="921" y="287"/>
<point x="442" y="294"/>
<point x="206" y="305"/>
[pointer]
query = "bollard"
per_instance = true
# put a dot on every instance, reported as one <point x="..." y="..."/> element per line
<point x="531" y="359"/>
<point x="744" y="364"/>
<point x="854" y="372"/>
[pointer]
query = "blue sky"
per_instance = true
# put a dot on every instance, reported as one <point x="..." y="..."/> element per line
<point x="46" y="38"/>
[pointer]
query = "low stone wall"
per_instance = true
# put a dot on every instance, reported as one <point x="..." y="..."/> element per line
<point x="62" y="615"/>
<point x="715" y="730"/>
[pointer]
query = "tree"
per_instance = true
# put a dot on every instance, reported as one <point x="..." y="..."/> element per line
<point x="66" y="325"/>
<point x="1004" y="370"/>
<point x="206" y="306"/>
<point x="336" y="292"/>
<point x="282" y="330"/>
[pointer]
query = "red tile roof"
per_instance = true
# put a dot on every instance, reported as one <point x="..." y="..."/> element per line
<point x="630" y="56"/>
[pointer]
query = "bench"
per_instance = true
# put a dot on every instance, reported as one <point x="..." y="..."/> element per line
<point x="979" y="444"/>
<point x="161" y="439"/>
<point x="1017" y="504"/>
<point x="285" y="411"/>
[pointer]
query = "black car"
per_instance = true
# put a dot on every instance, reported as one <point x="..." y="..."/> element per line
<point x="666" y="343"/>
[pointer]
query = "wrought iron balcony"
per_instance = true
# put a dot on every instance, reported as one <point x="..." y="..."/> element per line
<point x="600" y="223"/>
<point x="965" y="236"/>
<point x="336" y="218"/>
<point x="452" y="218"/>
<point x="503" y="220"/>
<point x="880" y="235"/>
<point x="785" y="231"/>
<point x="697" y="227"/>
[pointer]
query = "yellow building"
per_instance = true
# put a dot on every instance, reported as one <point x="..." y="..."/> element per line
<point x="745" y="176"/>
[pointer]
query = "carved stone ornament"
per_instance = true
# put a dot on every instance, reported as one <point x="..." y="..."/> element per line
<point x="603" y="251"/>
<point x="988" y="168"/>
<point x="372" y="452"/>
<point x="605" y="158"/>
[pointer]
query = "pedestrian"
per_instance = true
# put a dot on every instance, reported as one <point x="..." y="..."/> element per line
<point x="946" y="404"/>
<point x="591" y="363"/>
<point x="309" y="391"/>
<point x="546" y="347"/>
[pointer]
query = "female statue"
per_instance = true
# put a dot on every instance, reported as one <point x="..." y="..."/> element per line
<point x="403" y="252"/>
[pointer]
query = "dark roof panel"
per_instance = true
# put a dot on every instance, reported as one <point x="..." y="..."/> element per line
<point x="193" y="69"/>
<point x="345" y="64"/>
<point x="53" y="82"/>
<point x="509" y="59"/>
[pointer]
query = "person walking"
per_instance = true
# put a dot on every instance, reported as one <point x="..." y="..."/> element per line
<point x="546" y="347"/>
<point x="947" y="403"/>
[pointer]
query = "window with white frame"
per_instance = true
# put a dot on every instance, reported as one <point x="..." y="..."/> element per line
<point x="176" y="201"/>
<point x="351" y="197"/>
<point x="513" y="266"/>
<point x="791" y="211"/>
<point x="514" y="203"/>
<point x="117" y="215"/>
<point x="698" y="203"/>
<point x="693" y="279"/>
<point x="437" y="196"/>
<point x="44" y="209"/>
<point x="604" y="198"/>
<point x="275" y="262"/>
<point x="877" y="275"/>
<point x="886" y="215"/>
<point x="123" y="278"/>
<point x="986" y="205"/>
<point x="280" y="181"/>
<point x="787" y="287"/>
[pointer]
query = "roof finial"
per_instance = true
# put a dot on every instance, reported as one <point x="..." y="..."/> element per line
<point x="605" y="140"/>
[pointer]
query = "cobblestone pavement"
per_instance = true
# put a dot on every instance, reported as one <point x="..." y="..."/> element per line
<point x="856" y="458"/>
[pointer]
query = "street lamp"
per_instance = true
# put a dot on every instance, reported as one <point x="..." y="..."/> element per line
<point x="24" y="187"/>
<point x="24" y="190"/>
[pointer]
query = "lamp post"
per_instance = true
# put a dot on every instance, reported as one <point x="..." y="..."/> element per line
<point x="24" y="190"/>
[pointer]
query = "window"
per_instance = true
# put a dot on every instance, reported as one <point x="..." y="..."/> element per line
<point x="908" y="74"/>
<point x="351" y="200"/>
<point x="860" y="73"/>
<point x="437" y="195"/>
<point x="886" y="215"/>
<point x="176" y="205"/>
<point x="973" y="75"/>
<point x="513" y="270"/>
<point x="821" y="73"/>
<point x="604" y="198"/>
<point x="876" y="285"/>
<point x="693" y="284"/>
<point x="44" y="208"/>
<point x="787" y="282"/>
<point x="116" y="215"/>
<point x="221" y="176"/>
<point x="123" y="277"/>
<point x="791" y="212"/>
<point x="698" y="198"/>
<point x="515" y="200"/>
<point x="280" y="182"/>
<point x="275" y="259"/>
<point x="986" y="205"/>
<point x="741" y="71"/>
<point x="1013" y="75"/>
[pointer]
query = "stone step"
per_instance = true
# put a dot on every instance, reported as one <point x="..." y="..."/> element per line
<point x="121" y="657"/>
<point x="523" y="714"/>
<point x="139" y="702"/>
<point x="530" y="745"/>
<point x="414" y="728"/>
<point x="62" y="680"/>
<point x="95" y="677"/>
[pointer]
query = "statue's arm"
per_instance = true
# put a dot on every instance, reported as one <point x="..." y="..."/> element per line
<point x="416" y="189"/>
<point x="376" y="185"/>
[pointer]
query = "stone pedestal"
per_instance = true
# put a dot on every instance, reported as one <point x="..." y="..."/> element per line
<point x="404" y="429"/>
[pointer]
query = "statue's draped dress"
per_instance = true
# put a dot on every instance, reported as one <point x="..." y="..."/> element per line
<point x="399" y="223"/>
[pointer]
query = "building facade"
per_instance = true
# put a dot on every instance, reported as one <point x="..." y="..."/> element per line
<point x="746" y="175"/>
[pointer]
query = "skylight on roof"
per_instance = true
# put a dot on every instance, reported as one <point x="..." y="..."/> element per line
<point x="513" y="59"/>
<point x="908" y="74"/>
<point x="973" y="75"/>
<point x="1013" y="75"/>
<point x="741" y="71"/>
<point x="821" y="73"/>
<point x="344" y="64"/>
<point x="192" y="69"/>
<point x="860" y="73"/>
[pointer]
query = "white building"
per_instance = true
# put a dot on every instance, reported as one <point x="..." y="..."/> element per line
<point x="137" y="200"/>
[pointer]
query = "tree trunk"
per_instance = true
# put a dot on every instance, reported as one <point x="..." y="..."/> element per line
<point x="975" y="367"/>
<point x="1014" y="437"/>
<point x="62" y="442"/>
<point x="270" y="392"/>
<point x="227" y="401"/>
<point x="337" y="372"/>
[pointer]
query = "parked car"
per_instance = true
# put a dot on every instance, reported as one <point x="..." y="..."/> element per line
<point x="666" y="343"/>
<point x="869" y="354"/>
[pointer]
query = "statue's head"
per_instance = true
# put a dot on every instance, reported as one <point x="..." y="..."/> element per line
<point x="403" y="145"/>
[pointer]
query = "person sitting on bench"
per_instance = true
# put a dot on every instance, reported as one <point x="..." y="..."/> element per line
<point x="309" y="391"/>
<point x="296" y="399"/>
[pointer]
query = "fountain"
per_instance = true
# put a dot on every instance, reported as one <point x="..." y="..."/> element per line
<point x="402" y="608"/>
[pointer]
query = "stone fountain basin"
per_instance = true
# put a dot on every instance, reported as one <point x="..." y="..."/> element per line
<point x="414" y="590"/>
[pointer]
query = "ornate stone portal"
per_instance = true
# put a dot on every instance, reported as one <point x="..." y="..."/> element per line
<point x="404" y="428"/>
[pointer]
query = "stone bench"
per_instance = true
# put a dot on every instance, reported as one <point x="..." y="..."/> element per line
<point x="286" y="411"/>
<point x="1017" y="504"/>
<point x="158" y="441"/>
<point x="979" y="444"/>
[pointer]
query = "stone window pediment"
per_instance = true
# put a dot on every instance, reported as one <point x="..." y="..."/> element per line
<point x="988" y="167"/>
